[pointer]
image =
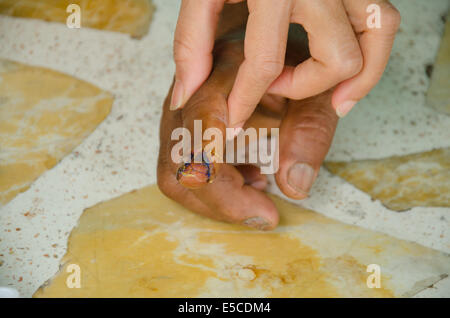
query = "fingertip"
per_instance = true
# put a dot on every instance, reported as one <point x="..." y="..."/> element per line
<point x="342" y="109"/>
<point x="342" y="100"/>
<point x="258" y="223"/>
<point x="259" y="184"/>
<point x="266" y="217"/>
<point x="306" y="134"/>
<point x="178" y="96"/>
<point x="289" y="189"/>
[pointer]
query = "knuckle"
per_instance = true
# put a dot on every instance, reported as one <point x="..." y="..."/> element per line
<point x="181" y="49"/>
<point x="317" y="127"/>
<point x="348" y="64"/>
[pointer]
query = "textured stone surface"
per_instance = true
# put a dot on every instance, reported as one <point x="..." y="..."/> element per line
<point x="44" y="115"/>
<point x="126" y="16"/>
<point x="121" y="154"/>
<point x="144" y="245"/>
<point x="401" y="182"/>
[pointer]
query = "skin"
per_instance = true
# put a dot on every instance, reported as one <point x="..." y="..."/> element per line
<point x="236" y="194"/>
<point x="345" y="51"/>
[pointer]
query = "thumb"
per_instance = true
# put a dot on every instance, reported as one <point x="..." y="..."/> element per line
<point x="306" y="134"/>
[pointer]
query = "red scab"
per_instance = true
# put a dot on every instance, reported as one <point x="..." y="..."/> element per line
<point x="195" y="175"/>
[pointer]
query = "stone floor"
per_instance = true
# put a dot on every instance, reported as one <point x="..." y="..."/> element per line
<point x="120" y="155"/>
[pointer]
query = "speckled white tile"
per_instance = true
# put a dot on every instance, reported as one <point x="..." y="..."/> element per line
<point x="392" y="120"/>
<point x="121" y="154"/>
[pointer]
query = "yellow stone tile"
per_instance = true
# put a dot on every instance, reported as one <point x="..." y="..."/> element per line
<point x="126" y="16"/>
<point x="403" y="182"/>
<point x="142" y="244"/>
<point x="42" y="118"/>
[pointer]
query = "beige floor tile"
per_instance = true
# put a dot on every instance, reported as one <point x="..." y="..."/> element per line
<point x="402" y="182"/>
<point x="144" y="245"/>
<point x="126" y="16"/>
<point x="44" y="115"/>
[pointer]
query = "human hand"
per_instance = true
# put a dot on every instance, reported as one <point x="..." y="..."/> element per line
<point x="236" y="194"/>
<point x="344" y="50"/>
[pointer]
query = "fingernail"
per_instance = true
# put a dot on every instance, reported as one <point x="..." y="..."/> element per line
<point x="301" y="177"/>
<point x="177" y="95"/>
<point x="344" y="108"/>
<point x="257" y="222"/>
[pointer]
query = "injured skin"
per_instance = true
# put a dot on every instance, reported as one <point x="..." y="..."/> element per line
<point x="194" y="175"/>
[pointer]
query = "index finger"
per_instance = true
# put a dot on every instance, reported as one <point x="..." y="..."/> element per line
<point x="265" y="48"/>
<point x="193" y="45"/>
